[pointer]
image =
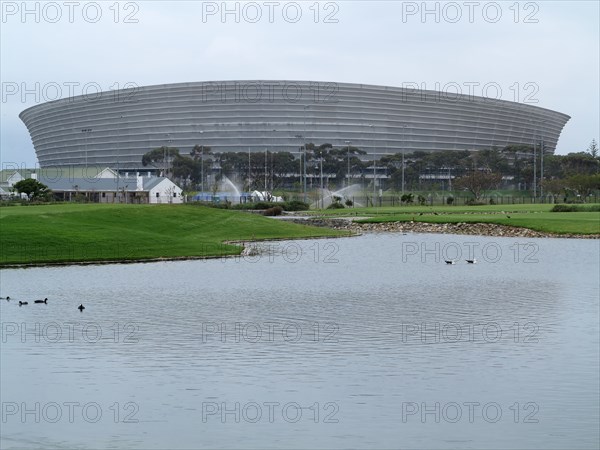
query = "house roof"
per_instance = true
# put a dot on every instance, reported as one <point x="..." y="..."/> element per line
<point x="68" y="184"/>
<point x="59" y="172"/>
<point x="5" y="174"/>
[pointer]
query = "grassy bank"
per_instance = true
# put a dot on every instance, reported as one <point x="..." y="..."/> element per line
<point x="536" y="217"/>
<point x="77" y="233"/>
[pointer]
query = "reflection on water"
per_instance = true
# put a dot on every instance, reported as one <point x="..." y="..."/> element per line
<point x="361" y="342"/>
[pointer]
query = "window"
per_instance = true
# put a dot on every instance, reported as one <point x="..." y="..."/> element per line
<point x="157" y="195"/>
<point x="174" y="194"/>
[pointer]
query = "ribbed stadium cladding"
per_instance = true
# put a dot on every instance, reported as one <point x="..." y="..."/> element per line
<point x="115" y="128"/>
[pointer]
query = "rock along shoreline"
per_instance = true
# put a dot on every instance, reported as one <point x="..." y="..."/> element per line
<point x="473" y="229"/>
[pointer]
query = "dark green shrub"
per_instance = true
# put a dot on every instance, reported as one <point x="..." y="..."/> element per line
<point x="407" y="198"/>
<point x="450" y="200"/>
<point x="575" y="208"/>
<point x="336" y="205"/>
<point x="262" y="205"/>
<point x="563" y="208"/>
<point x="296" y="205"/>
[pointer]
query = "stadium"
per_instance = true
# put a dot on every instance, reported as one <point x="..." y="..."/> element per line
<point x="116" y="128"/>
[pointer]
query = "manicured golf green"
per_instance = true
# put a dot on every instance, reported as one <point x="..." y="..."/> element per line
<point x="375" y="211"/>
<point x="560" y="223"/>
<point x="536" y="217"/>
<point x="93" y="232"/>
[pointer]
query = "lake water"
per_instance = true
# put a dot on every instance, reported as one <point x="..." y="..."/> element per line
<point x="366" y="342"/>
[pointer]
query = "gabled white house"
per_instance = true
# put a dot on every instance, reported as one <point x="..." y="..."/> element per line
<point x="160" y="190"/>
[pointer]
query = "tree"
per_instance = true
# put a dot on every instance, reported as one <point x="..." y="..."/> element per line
<point x="593" y="148"/>
<point x="157" y="156"/>
<point x="580" y="163"/>
<point x="553" y="186"/>
<point x="282" y="163"/>
<point x="583" y="184"/>
<point x="492" y="160"/>
<point x="186" y="169"/>
<point x="477" y="182"/>
<point x="33" y="189"/>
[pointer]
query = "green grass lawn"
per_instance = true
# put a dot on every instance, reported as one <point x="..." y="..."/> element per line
<point x="561" y="223"/>
<point x="93" y="232"/>
<point x="371" y="211"/>
<point x="534" y="216"/>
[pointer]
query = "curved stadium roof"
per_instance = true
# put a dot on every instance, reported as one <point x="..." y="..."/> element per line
<point x="116" y="128"/>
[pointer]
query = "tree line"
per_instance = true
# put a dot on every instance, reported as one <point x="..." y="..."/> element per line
<point x="475" y="171"/>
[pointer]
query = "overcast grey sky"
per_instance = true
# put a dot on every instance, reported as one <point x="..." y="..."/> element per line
<point x="543" y="53"/>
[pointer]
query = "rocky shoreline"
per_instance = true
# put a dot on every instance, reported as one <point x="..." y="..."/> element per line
<point x="473" y="229"/>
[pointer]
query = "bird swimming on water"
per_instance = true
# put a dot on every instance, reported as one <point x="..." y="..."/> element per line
<point x="449" y="261"/>
<point x="5" y="298"/>
<point x="23" y="303"/>
<point x="81" y="307"/>
<point x="41" y="301"/>
<point x="471" y="261"/>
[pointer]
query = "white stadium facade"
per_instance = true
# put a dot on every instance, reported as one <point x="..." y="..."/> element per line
<point x="115" y="128"/>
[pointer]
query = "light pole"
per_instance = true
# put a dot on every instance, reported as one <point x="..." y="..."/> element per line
<point x="201" y="163"/>
<point x="118" y="157"/>
<point x="543" y="150"/>
<point x="302" y="182"/>
<point x="534" y="169"/>
<point x="249" y="164"/>
<point x="266" y="177"/>
<point x="374" y="178"/>
<point x="321" y="161"/>
<point x="534" y="160"/>
<point x="403" y="125"/>
<point x="348" y="172"/>
<point x="305" y="107"/>
<point x="166" y="153"/>
<point x="374" y="159"/>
